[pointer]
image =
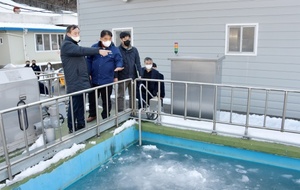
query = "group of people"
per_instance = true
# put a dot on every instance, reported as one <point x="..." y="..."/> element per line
<point x="102" y="64"/>
<point x="48" y="70"/>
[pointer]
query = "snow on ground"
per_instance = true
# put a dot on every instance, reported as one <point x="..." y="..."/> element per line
<point x="42" y="165"/>
<point x="234" y="130"/>
<point x="38" y="143"/>
<point x="125" y="125"/>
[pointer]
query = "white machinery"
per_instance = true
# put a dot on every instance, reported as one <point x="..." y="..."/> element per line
<point x="18" y="86"/>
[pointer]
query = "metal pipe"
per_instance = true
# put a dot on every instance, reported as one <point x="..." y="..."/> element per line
<point x="284" y="110"/>
<point x="43" y="127"/>
<point x="231" y="104"/>
<point x="116" y="108"/>
<point x="200" y="103"/>
<point x="172" y="97"/>
<point x="124" y="92"/>
<point x="25" y="132"/>
<point x="159" y="104"/>
<point x="107" y="109"/>
<point x="266" y="108"/>
<point x="97" y="111"/>
<point x="72" y="114"/>
<point x="215" y="109"/>
<point x="185" y="100"/>
<point x="248" y="113"/>
<point x="133" y="95"/>
<point x="5" y="150"/>
<point x="58" y="120"/>
<point x="140" y="127"/>
<point x="84" y="109"/>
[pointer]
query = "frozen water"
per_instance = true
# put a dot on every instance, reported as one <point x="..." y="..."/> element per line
<point x="162" y="167"/>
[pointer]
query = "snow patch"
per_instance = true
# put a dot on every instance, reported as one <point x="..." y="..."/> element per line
<point x="125" y="125"/>
<point x="288" y="176"/>
<point x="38" y="143"/>
<point x="149" y="147"/>
<point x="297" y="181"/>
<point x="239" y="166"/>
<point x="42" y="165"/>
<point x="245" y="178"/>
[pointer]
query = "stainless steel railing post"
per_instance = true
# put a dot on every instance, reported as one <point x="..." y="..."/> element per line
<point x="97" y="111"/>
<point x="284" y="110"/>
<point x="4" y="144"/>
<point x="25" y="132"/>
<point x="172" y="97"/>
<point x="200" y="101"/>
<point x="215" y="109"/>
<point x="116" y="107"/>
<point x="266" y="108"/>
<point x="248" y="113"/>
<point x="231" y="104"/>
<point x="185" y="100"/>
<point x="140" y="126"/>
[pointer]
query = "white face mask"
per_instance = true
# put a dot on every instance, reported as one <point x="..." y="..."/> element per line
<point x="76" y="39"/>
<point x="107" y="43"/>
<point x="148" y="67"/>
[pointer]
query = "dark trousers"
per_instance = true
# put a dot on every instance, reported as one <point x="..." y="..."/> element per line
<point x="106" y="101"/>
<point x="78" y="112"/>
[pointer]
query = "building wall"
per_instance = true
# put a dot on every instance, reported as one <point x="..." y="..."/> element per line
<point x="4" y="50"/>
<point x="199" y="28"/>
<point x="43" y="56"/>
<point x="16" y="47"/>
<point x="17" y="51"/>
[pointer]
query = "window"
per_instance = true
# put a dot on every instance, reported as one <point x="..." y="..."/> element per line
<point x="48" y="42"/>
<point x="1" y="41"/>
<point x="241" y="39"/>
<point x="116" y="34"/>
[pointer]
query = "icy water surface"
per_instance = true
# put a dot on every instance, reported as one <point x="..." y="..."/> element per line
<point x="160" y="167"/>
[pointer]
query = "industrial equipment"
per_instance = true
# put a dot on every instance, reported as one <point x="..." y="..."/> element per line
<point x="195" y="69"/>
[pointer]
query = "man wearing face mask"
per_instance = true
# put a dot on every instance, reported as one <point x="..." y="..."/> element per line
<point x="102" y="70"/>
<point x="132" y="68"/>
<point x="149" y="73"/>
<point x="76" y="73"/>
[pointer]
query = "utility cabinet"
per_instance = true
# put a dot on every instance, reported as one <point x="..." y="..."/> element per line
<point x="199" y="100"/>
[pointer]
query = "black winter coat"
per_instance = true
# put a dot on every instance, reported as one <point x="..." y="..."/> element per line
<point x="74" y="64"/>
<point x="153" y="86"/>
<point x="131" y="63"/>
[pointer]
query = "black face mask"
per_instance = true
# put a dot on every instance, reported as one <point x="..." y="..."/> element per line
<point x="127" y="43"/>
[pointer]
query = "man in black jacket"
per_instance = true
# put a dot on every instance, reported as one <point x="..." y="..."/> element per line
<point x="149" y="73"/>
<point x="76" y="73"/>
<point x="132" y="68"/>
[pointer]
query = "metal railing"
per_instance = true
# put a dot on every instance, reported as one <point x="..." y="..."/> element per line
<point x="216" y="104"/>
<point x="16" y="162"/>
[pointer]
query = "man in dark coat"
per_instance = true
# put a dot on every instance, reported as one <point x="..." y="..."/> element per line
<point x="76" y="73"/>
<point x="132" y="68"/>
<point x="161" y="77"/>
<point x="149" y="73"/>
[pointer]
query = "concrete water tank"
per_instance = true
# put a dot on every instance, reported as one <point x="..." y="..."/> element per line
<point x="195" y="69"/>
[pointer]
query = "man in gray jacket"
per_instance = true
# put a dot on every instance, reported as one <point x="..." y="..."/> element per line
<point x="76" y="73"/>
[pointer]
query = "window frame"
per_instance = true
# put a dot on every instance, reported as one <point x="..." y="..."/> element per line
<point x="114" y="32"/>
<point x="241" y="25"/>
<point x="50" y="41"/>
